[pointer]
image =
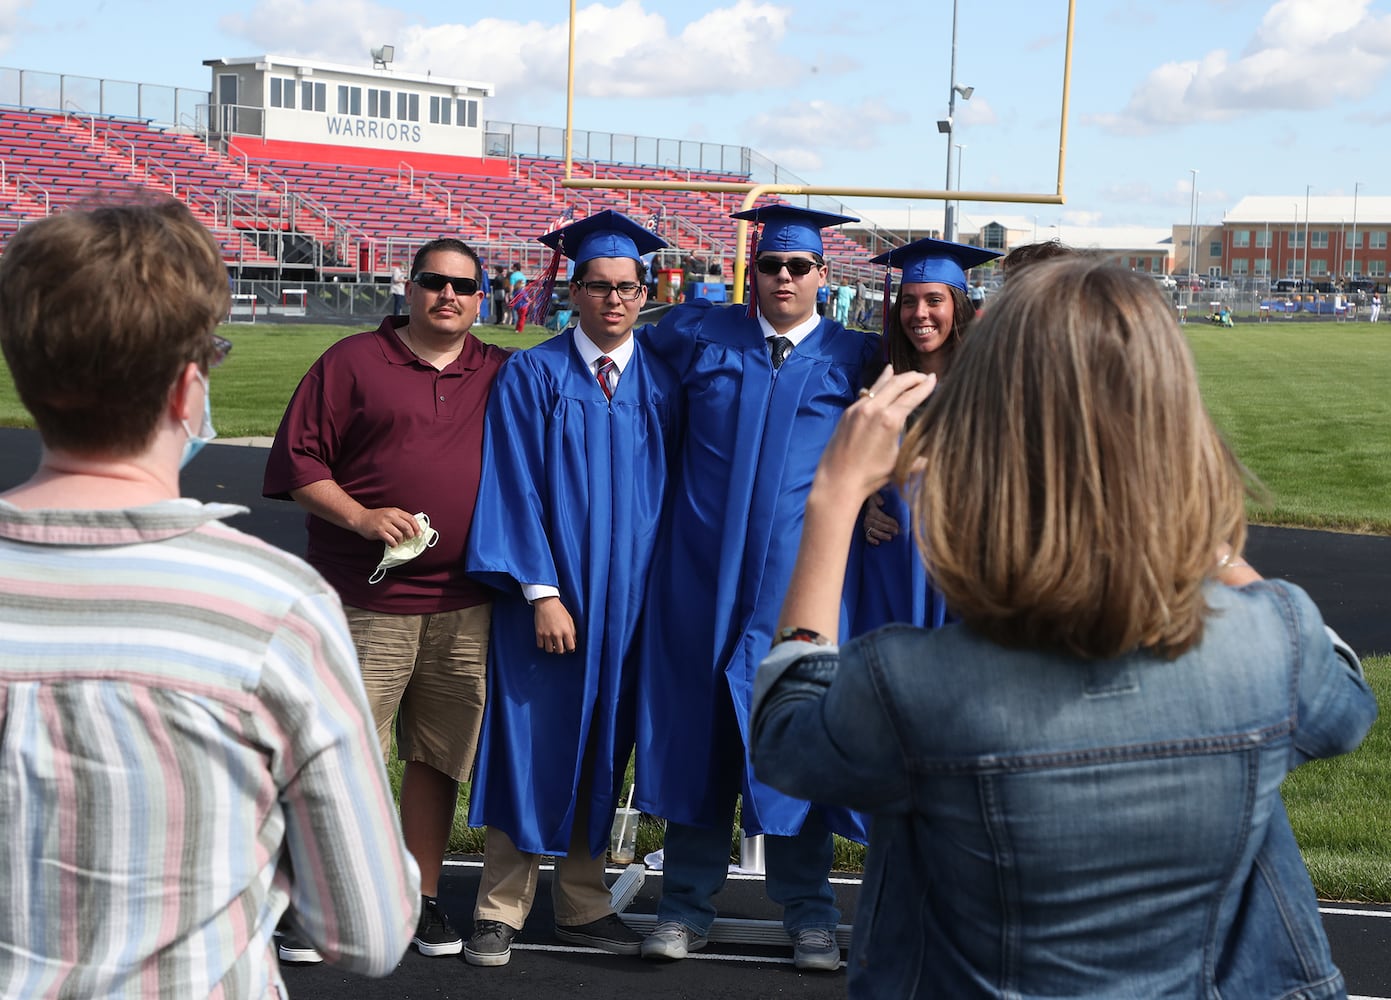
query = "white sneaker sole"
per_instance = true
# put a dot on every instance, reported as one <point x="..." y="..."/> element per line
<point x="487" y="960"/>
<point x="818" y="963"/>
<point x="436" y="950"/>
<point x="300" y="956"/>
<point x="671" y="951"/>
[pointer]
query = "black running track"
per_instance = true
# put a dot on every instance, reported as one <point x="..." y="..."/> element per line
<point x="1345" y="575"/>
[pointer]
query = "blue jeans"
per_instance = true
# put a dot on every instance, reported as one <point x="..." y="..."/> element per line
<point x="696" y="861"/>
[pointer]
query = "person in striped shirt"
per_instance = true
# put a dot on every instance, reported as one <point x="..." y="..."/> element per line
<point x="186" y="750"/>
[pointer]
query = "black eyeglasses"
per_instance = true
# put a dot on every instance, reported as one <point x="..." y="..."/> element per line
<point x="627" y="290"/>
<point x="797" y="266"/>
<point x="432" y="282"/>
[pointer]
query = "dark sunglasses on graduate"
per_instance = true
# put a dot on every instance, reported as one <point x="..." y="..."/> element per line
<point x="432" y="282"/>
<point x="797" y="266"/>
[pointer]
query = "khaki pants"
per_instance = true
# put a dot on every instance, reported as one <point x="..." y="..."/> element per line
<point x="432" y="670"/>
<point x="508" y="886"/>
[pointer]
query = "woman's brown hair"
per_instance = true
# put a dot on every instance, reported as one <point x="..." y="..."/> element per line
<point x="1073" y="490"/>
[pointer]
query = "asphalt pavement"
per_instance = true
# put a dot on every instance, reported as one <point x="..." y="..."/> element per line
<point x="1345" y="575"/>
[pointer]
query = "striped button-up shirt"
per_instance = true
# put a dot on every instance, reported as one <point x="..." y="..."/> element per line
<point x="185" y="751"/>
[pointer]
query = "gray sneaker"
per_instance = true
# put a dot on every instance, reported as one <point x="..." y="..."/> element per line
<point x="815" y="948"/>
<point x="608" y="933"/>
<point x="491" y="943"/>
<point x="672" y="940"/>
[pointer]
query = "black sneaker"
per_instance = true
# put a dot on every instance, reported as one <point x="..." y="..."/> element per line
<point x="294" y="949"/>
<point x="608" y="933"/>
<point x="491" y="943"/>
<point x="434" y="934"/>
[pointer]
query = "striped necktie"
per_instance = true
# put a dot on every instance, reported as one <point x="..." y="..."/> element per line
<point x="781" y="348"/>
<point x="607" y="374"/>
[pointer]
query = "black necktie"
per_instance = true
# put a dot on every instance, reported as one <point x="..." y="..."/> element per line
<point x="781" y="348"/>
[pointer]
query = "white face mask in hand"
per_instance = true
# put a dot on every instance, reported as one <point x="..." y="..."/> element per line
<point x="407" y="550"/>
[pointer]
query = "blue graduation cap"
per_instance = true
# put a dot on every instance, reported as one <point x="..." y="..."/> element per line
<point x="935" y="260"/>
<point x="787" y="228"/>
<point x="603" y="234"/>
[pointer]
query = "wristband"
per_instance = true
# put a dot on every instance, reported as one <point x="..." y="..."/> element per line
<point x="801" y="635"/>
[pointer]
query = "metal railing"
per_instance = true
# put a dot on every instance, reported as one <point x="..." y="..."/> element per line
<point x="163" y="105"/>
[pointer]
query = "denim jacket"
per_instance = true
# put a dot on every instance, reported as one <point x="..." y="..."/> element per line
<point x="1045" y="825"/>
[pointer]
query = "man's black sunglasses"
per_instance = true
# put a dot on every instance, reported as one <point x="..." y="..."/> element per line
<point x="432" y="282"/>
<point x="797" y="266"/>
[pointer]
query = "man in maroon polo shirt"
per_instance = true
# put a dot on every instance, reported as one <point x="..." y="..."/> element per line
<point x="385" y="426"/>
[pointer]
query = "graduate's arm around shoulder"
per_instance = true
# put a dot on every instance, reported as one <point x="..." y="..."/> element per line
<point x="675" y="338"/>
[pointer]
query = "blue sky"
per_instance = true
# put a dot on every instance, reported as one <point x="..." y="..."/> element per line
<point x="1261" y="97"/>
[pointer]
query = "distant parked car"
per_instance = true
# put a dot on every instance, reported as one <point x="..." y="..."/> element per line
<point x="1164" y="281"/>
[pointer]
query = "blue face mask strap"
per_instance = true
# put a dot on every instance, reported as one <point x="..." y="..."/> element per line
<point x="206" y="433"/>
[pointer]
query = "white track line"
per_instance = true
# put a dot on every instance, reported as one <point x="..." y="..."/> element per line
<point x="744" y="877"/>
<point x="699" y="956"/>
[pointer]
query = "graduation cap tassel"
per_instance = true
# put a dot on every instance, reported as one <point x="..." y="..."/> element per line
<point x="753" y="278"/>
<point x="537" y="294"/>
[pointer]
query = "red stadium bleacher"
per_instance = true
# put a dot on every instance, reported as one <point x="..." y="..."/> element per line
<point x="275" y="212"/>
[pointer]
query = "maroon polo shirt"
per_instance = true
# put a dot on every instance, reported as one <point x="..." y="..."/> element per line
<point x="392" y="431"/>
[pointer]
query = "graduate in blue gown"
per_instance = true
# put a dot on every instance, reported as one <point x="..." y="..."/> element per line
<point x="764" y="388"/>
<point x="575" y="459"/>
<point x="931" y="313"/>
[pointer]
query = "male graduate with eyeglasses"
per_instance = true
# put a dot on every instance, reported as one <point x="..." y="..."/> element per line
<point x="385" y="426"/>
<point x="579" y="436"/>
<point x="764" y="388"/>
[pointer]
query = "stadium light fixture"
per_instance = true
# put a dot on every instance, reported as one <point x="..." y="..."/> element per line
<point x="944" y="126"/>
<point x="965" y="92"/>
<point x="383" y="55"/>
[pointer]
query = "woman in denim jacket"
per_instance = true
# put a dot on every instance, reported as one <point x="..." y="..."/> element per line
<point x="1076" y="789"/>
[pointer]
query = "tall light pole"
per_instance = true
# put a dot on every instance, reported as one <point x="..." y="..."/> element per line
<point x="1267" y="255"/>
<point x="1193" y="227"/>
<point x="1353" y="269"/>
<point x="1294" y="251"/>
<point x="946" y="127"/>
<point x="959" y="147"/>
<point x="1305" y="275"/>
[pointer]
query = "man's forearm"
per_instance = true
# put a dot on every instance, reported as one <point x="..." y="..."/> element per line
<point x="326" y="499"/>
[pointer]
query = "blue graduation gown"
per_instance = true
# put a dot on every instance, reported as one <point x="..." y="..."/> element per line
<point x="888" y="582"/>
<point x="752" y="443"/>
<point x="571" y="496"/>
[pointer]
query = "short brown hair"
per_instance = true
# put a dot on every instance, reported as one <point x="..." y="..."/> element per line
<point x="1034" y="253"/>
<point x="1074" y="490"/>
<point x="100" y="309"/>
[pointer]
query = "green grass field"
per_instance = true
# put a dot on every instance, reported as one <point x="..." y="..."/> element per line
<point x="1307" y="407"/>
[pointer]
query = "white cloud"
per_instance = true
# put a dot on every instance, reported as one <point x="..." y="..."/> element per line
<point x="11" y="20"/>
<point x="976" y="111"/>
<point x="622" y="50"/>
<point x="795" y="135"/>
<point x="330" y="30"/>
<point x="1305" y="55"/>
<point x="797" y="159"/>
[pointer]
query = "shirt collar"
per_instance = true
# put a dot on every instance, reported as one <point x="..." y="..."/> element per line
<point x="590" y="353"/>
<point x="797" y="334"/>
